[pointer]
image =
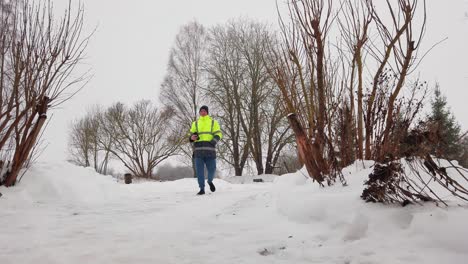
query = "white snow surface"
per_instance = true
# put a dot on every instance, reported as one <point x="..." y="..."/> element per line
<point x="249" y="179"/>
<point x="60" y="213"/>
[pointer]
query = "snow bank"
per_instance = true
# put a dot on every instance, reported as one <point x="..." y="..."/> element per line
<point x="64" y="182"/>
<point x="344" y="220"/>
<point x="67" y="183"/>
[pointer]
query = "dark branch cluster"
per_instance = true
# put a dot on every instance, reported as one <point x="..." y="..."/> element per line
<point x="423" y="180"/>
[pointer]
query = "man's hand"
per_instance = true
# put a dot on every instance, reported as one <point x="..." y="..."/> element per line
<point x="213" y="142"/>
<point x="194" y="137"/>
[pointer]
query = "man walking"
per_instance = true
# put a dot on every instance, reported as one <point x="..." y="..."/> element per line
<point x="205" y="134"/>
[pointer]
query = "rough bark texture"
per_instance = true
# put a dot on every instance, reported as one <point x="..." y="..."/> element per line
<point x="305" y="149"/>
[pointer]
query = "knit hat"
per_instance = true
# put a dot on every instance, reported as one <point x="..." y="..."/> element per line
<point x="205" y="108"/>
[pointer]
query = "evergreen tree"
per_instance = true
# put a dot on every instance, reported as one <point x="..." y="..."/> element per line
<point x="464" y="157"/>
<point x="448" y="129"/>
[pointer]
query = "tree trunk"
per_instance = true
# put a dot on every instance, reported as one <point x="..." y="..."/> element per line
<point x="320" y="71"/>
<point x="259" y="164"/>
<point x="305" y="149"/>
<point x="360" y="116"/>
<point x="269" y="167"/>
<point x="23" y="151"/>
<point x="238" y="171"/>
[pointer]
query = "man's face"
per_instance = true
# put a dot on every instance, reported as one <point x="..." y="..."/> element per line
<point x="203" y="112"/>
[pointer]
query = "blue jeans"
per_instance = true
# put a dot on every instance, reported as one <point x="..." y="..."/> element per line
<point x="200" y="163"/>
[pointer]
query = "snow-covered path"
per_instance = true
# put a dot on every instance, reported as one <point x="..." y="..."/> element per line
<point x="86" y="218"/>
<point x="159" y="227"/>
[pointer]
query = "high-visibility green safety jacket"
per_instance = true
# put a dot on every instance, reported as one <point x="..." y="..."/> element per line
<point x="209" y="133"/>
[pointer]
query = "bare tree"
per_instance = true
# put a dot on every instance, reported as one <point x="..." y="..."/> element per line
<point x="89" y="145"/>
<point x="143" y="136"/>
<point x="227" y="74"/>
<point x="303" y="72"/>
<point x="312" y="76"/>
<point x="80" y="145"/>
<point x="185" y="76"/>
<point x="225" y="68"/>
<point x="241" y="87"/>
<point x="253" y="40"/>
<point x="276" y="133"/>
<point x="38" y="57"/>
<point x="400" y="38"/>
<point x="354" y="27"/>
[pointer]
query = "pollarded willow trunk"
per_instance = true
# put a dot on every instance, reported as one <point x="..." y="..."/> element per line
<point x="23" y="151"/>
<point x="306" y="150"/>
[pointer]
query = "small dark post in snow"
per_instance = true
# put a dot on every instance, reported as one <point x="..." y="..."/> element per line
<point x="128" y="178"/>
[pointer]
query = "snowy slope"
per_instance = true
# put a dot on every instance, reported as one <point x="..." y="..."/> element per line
<point x="60" y="213"/>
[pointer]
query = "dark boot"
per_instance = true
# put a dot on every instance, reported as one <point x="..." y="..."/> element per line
<point x="201" y="192"/>
<point x="212" y="187"/>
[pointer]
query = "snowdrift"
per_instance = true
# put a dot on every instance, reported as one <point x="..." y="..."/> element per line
<point x="60" y="213"/>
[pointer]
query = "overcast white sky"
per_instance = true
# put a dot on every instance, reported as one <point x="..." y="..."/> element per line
<point x="129" y="51"/>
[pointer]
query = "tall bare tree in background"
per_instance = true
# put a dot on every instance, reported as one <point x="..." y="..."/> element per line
<point x="244" y="92"/>
<point x="38" y="55"/>
<point x="269" y="133"/>
<point x="252" y="41"/>
<point x="185" y="76"/>
<point x="225" y="67"/>
<point x="276" y="132"/>
<point x="226" y="88"/>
